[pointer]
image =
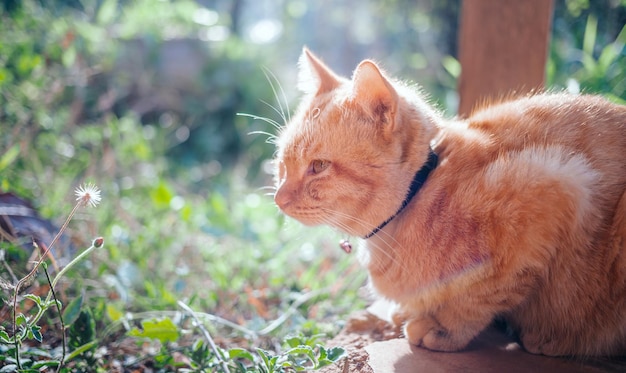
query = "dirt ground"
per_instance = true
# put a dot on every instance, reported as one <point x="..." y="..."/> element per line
<point x="362" y="330"/>
<point x="373" y="345"/>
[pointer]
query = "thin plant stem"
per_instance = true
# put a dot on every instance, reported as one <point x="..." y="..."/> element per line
<point x="206" y="334"/>
<point x="292" y="309"/>
<point x="24" y="279"/>
<point x="80" y="257"/>
<point x="56" y="301"/>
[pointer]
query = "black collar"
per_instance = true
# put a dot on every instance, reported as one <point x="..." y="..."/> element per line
<point x="418" y="180"/>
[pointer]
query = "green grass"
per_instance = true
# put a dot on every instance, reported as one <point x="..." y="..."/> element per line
<point x="174" y="236"/>
<point x="255" y="280"/>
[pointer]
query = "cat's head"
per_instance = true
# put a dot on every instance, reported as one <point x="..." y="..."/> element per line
<point x="349" y="153"/>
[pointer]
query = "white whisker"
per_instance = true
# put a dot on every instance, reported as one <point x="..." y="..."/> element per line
<point x="262" y="133"/>
<point x="270" y="76"/>
<point x="272" y="122"/>
<point x="271" y="139"/>
<point x="279" y="111"/>
<point x="387" y="240"/>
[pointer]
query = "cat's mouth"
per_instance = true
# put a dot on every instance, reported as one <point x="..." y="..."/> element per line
<point x="314" y="216"/>
<point x="294" y="208"/>
<point x="305" y="216"/>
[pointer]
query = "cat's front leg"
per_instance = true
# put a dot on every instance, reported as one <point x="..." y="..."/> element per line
<point x="423" y="330"/>
<point x="428" y="333"/>
<point x="445" y="331"/>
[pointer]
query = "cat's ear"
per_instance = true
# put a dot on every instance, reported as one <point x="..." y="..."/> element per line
<point x="374" y="92"/>
<point x="313" y="76"/>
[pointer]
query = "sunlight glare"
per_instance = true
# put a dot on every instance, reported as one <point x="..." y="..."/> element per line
<point x="265" y="31"/>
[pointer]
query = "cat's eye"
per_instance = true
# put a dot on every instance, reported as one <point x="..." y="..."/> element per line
<point x="318" y="166"/>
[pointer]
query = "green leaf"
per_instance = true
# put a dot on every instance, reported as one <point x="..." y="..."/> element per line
<point x="45" y="363"/>
<point x="297" y="354"/>
<point x="330" y="356"/>
<point x="162" y="195"/>
<point x="27" y="62"/>
<point x="106" y="13"/>
<point x="589" y="63"/>
<point x="83" y="330"/>
<point x="219" y="208"/>
<point x="69" y="56"/>
<point x="72" y="311"/>
<point x="294" y="341"/>
<point x="35" y="299"/>
<point x="268" y="361"/>
<point x="164" y="330"/>
<point x="200" y="352"/>
<point x="81" y="350"/>
<point x="113" y="312"/>
<point x="4" y="337"/>
<point x="35" y="333"/>
<point x="240" y="353"/>
<point x="452" y="66"/>
<point x="302" y="350"/>
<point x="335" y="353"/>
<point x="5" y="76"/>
<point x="323" y="353"/>
<point x="589" y="39"/>
<point x="611" y="52"/>
<point x="9" y="156"/>
<point x="20" y="319"/>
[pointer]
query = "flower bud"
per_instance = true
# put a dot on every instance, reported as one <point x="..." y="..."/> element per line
<point x="98" y="242"/>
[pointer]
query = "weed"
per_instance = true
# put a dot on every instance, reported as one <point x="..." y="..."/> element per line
<point x="26" y="327"/>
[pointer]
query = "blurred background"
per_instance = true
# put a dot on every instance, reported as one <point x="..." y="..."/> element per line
<point x="184" y="69"/>
<point x="142" y="98"/>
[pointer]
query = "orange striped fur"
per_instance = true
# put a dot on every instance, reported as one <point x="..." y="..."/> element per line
<point x="524" y="217"/>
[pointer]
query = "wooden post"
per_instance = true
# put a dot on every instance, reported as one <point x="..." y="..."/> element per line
<point x="503" y="47"/>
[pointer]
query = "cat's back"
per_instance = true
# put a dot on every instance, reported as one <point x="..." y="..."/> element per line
<point x="546" y="119"/>
<point x="587" y="125"/>
<point x="552" y="154"/>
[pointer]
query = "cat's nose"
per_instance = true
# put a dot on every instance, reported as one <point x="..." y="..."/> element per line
<point x="283" y="197"/>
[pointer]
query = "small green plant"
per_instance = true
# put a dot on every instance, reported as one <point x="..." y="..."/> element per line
<point x="299" y="353"/>
<point x="25" y="327"/>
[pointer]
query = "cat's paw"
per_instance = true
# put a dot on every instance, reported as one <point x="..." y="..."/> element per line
<point x="538" y="345"/>
<point x="428" y="333"/>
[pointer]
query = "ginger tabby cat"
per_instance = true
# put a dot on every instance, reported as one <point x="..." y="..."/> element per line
<point x="518" y="212"/>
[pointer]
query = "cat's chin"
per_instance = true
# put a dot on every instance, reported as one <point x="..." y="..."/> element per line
<point x="322" y="222"/>
<point x="305" y="221"/>
<point x="309" y="223"/>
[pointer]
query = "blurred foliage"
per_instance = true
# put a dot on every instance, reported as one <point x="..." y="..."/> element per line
<point x="152" y="62"/>
<point x="587" y="51"/>
<point x="140" y="97"/>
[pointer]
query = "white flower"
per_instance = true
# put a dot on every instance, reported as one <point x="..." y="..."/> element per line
<point x="88" y="194"/>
